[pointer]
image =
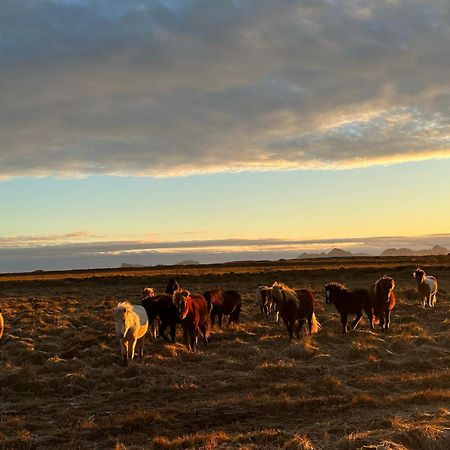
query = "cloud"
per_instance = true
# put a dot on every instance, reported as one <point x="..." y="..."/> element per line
<point x="160" y="88"/>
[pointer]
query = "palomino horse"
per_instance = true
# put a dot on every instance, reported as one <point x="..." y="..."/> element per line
<point x="294" y="307"/>
<point x="383" y="299"/>
<point x="222" y="303"/>
<point x="264" y="301"/>
<point x="427" y="287"/>
<point x="194" y="316"/>
<point x="349" y="302"/>
<point x="161" y="307"/>
<point x="131" y="326"/>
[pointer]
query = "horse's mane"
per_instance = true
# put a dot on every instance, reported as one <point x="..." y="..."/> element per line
<point x="125" y="305"/>
<point x="384" y="279"/>
<point x="336" y="285"/>
<point x="290" y="293"/>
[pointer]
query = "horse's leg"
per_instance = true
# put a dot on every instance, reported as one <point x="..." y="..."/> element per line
<point x="290" y="328"/>
<point x="344" y="317"/>
<point x="203" y="330"/>
<point x="173" y="330"/>
<point x="370" y="317"/>
<point x="124" y="349"/>
<point x="131" y="349"/>
<point x="219" y="317"/>
<point x="430" y="300"/>
<point x="300" y="324"/>
<point x="141" y="346"/>
<point x="186" y="336"/>
<point x="357" y="320"/>
<point x="162" y="329"/>
<point x="388" y="318"/>
<point x="382" y="320"/>
<point x="194" y="332"/>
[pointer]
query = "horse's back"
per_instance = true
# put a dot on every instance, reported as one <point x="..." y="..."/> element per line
<point x="200" y="308"/>
<point x="432" y="282"/>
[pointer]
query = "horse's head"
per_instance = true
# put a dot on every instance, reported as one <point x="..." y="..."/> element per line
<point x="172" y="286"/>
<point x="419" y="275"/>
<point x="180" y="299"/>
<point x="148" y="292"/>
<point x="384" y="286"/>
<point x="328" y="290"/>
<point x="122" y="315"/>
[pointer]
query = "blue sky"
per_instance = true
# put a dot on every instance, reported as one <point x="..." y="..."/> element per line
<point x="131" y="122"/>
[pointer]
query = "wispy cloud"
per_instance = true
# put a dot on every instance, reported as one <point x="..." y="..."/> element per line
<point x="171" y="88"/>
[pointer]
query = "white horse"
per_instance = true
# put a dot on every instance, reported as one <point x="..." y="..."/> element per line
<point x="131" y="326"/>
<point x="1" y="325"/>
<point x="427" y="287"/>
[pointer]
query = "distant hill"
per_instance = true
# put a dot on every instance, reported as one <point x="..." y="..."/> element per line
<point x="188" y="262"/>
<point x="127" y="265"/>
<point x="334" y="253"/>
<point x="436" y="250"/>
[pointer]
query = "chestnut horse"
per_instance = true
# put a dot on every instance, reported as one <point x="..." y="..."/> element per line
<point x="294" y="307"/>
<point x="222" y="303"/>
<point x="383" y="299"/>
<point x="162" y="307"/>
<point x="349" y="302"/>
<point x="194" y="315"/>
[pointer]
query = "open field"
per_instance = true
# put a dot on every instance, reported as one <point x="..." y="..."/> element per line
<point x="62" y="384"/>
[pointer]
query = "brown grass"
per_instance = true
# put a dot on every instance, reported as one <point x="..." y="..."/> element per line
<point x="62" y="384"/>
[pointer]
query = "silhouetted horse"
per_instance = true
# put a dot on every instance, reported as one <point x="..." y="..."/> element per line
<point x="194" y="315"/>
<point x="222" y="303"/>
<point x="172" y="286"/>
<point x="349" y="302"/>
<point x="161" y="306"/>
<point x="294" y="307"/>
<point x="383" y="299"/>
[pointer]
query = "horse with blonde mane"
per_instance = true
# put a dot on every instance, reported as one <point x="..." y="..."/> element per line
<point x="427" y="287"/>
<point x="131" y="326"/>
<point x="1" y="325"/>
<point x="295" y="306"/>
<point x="383" y="300"/>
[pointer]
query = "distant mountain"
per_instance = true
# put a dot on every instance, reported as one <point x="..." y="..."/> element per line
<point x="436" y="250"/>
<point x="334" y="253"/>
<point x="188" y="262"/>
<point x="127" y="265"/>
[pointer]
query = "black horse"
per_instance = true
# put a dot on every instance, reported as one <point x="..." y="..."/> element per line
<point x="163" y="307"/>
<point x="222" y="303"/>
<point x="172" y="286"/>
<point x="349" y="302"/>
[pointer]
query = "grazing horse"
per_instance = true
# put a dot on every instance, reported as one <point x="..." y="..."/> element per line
<point x="427" y="287"/>
<point x="131" y="326"/>
<point x="265" y="302"/>
<point x="1" y="325"/>
<point x="222" y="303"/>
<point x="349" y="302"/>
<point x="160" y="307"/>
<point x="194" y="315"/>
<point x="383" y="299"/>
<point x="172" y="286"/>
<point x="294" y="307"/>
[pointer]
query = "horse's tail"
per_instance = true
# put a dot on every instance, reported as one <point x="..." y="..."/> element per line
<point x="315" y="324"/>
<point x="1" y="325"/>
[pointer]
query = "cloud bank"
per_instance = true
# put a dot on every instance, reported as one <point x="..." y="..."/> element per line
<point x="161" y="88"/>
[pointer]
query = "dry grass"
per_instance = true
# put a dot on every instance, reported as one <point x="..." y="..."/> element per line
<point x="62" y="385"/>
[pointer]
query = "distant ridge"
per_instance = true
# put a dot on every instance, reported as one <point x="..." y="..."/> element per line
<point x="436" y="250"/>
<point x="127" y="265"/>
<point x="187" y="262"/>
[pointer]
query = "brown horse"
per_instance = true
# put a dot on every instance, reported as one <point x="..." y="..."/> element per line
<point x="295" y="306"/>
<point x="160" y="308"/>
<point x="222" y="303"/>
<point x="383" y="299"/>
<point x="194" y="315"/>
<point x="349" y="302"/>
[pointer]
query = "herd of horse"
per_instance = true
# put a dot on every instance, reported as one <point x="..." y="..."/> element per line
<point x="197" y="312"/>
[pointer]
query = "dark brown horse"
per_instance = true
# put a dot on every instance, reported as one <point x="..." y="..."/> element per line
<point x="161" y="307"/>
<point x="295" y="306"/>
<point x="222" y="303"/>
<point x="383" y="299"/>
<point x="349" y="302"/>
<point x="172" y="286"/>
<point x="194" y="315"/>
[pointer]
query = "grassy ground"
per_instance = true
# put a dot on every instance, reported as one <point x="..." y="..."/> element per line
<point x="62" y="385"/>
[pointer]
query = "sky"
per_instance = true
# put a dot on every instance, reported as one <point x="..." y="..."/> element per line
<point x="156" y="131"/>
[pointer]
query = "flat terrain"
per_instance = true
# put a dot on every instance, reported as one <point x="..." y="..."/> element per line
<point x="62" y="384"/>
